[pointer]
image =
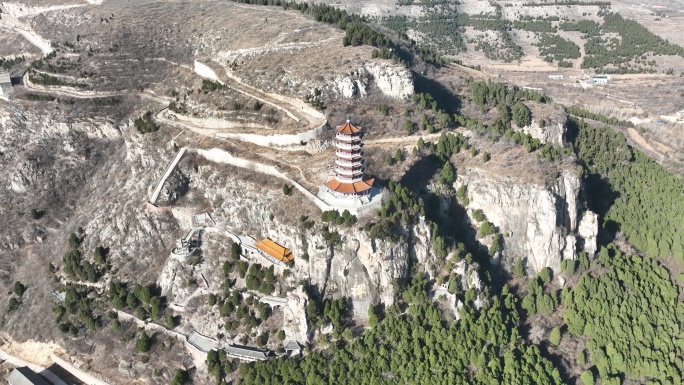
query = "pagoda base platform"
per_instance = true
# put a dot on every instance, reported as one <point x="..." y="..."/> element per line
<point x="359" y="205"/>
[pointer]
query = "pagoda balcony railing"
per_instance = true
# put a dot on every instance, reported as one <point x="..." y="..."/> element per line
<point x="345" y="163"/>
<point x="348" y="155"/>
<point x="349" y="173"/>
<point x="347" y="138"/>
<point x="343" y="146"/>
<point x="348" y="170"/>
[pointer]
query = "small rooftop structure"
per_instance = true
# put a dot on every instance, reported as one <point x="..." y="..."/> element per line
<point x="599" y="79"/>
<point x="348" y="128"/>
<point x="293" y="348"/>
<point x="350" y="188"/>
<point x="247" y="353"/>
<point x="5" y="85"/>
<point x="25" y="376"/>
<point x="273" y="249"/>
<point x="200" y="342"/>
<point x="203" y="219"/>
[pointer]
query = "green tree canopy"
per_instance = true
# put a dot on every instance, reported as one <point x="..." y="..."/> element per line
<point x="521" y="115"/>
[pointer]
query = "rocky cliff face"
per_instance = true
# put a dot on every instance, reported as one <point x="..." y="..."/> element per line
<point x="541" y="221"/>
<point x="45" y="161"/>
<point x="553" y="133"/>
<point x="468" y="278"/>
<point x="356" y="83"/>
<point x="548" y="123"/>
<point x="364" y="269"/>
<point x="360" y="268"/>
<point x="392" y="80"/>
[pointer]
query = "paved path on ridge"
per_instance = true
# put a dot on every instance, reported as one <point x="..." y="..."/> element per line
<point x="18" y="362"/>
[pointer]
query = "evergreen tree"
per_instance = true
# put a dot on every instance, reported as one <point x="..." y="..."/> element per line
<point x="143" y="344"/>
<point x="180" y="378"/>
<point x="587" y="378"/>
<point x="521" y="115"/>
<point x="448" y="176"/>
<point x="519" y="268"/>
<point x="19" y="289"/>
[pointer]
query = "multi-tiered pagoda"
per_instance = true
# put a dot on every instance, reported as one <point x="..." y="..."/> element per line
<point x="348" y="180"/>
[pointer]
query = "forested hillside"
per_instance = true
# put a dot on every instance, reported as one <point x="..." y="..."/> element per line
<point x="634" y="194"/>
<point x="624" y="313"/>
<point x="415" y="346"/>
<point x="632" y="319"/>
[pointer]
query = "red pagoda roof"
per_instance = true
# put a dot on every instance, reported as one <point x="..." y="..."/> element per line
<point x="348" y="128"/>
<point x="349" y="188"/>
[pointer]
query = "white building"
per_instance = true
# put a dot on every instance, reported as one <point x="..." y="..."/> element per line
<point x="5" y="86"/>
<point x="599" y="79"/>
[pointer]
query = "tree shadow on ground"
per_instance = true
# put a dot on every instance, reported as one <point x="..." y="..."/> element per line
<point x="600" y="194"/>
<point x="446" y="99"/>
<point x="418" y="176"/>
<point x="64" y="375"/>
<point x="448" y="214"/>
<point x="559" y="362"/>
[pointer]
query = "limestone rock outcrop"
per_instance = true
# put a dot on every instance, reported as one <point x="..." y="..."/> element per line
<point x="553" y="133"/>
<point x="294" y="316"/>
<point x="364" y="269"/>
<point x="355" y="84"/>
<point x="587" y="229"/>
<point x="540" y="221"/>
<point x="360" y="268"/>
<point x="392" y="80"/>
<point x="548" y="123"/>
<point x="28" y="172"/>
<point x="176" y="185"/>
<point x="468" y="279"/>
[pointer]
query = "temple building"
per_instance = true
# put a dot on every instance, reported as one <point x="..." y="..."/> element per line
<point x="346" y="188"/>
<point x="25" y="376"/>
<point x="274" y="250"/>
<point x="348" y="180"/>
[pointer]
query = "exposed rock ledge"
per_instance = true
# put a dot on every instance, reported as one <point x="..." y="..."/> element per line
<point x="548" y="123"/>
<point x="553" y="133"/>
<point x="392" y="80"/>
<point x="543" y="222"/>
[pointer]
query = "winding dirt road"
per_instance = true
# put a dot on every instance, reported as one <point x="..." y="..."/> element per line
<point x="33" y="38"/>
